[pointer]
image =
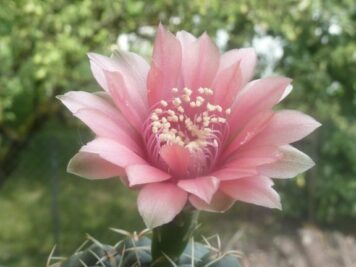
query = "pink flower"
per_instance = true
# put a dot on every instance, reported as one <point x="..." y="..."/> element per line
<point x="190" y="128"/>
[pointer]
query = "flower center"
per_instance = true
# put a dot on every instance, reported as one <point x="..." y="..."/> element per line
<point x="189" y="121"/>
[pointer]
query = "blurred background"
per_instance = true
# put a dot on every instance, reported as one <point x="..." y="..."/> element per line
<point x="43" y="46"/>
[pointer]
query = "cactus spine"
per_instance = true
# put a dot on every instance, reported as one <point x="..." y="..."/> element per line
<point x="135" y="251"/>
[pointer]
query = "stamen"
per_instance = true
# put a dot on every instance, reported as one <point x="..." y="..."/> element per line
<point x="208" y="91"/>
<point x="180" y="109"/>
<point x="177" y="101"/>
<point x="171" y="112"/>
<point x="186" y="98"/>
<point x="187" y="91"/>
<point x="154" y="116"/>
<point x="210" y="107"/>
<point x="201" y="99"/>
<point x="189" y="121"/>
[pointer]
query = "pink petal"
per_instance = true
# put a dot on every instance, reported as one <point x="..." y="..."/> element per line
<point x="200" y="63"/>
<point x="286" y="92"/>
<point x="232" y="173"/>
<point x="76" y="100"/>
<point x="165" y="71"/>
<point x="113" y="152"/>
<point x="126" y="99"/>
<point x="259" y="95"/>
<point x="202" y="187"/>
<point x="286" y="126"/>
<point x="102" y="117"/>
<point x="131" y="71"/>
<point x="91" y="166"/>
<point x="145" y="174"/>
<point x="252" y="156"/>
<point x="133" y="68"/>
<point x="98" y="64"/>
<point x="159" y="203"/>
<point x="226" y="85"/>
<point x="219" y="203"/>
<point x="292" y="163"/>
<point x="256" y="190"/>
<point x="187" y="42"/>
<point x="186" y="39"/>
<point x="103" y="126"/>
<point x="252" y="128"/>
<point x="247" y="58"/>
<point x="177" y="158"/>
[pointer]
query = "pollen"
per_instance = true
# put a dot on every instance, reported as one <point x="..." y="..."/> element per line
<point x="164" y="103"/>
<point x="154" y="117"/>
<point x="177" y="101"/>
<point x="187" y="91"/>
<point x="192" y="104"/>
<point x="180" y="109"/>
<point x="171" y="112"/>
<point x="186" y="98"/>
<point x="211" y="107"/>
<point x="189" y="119"/>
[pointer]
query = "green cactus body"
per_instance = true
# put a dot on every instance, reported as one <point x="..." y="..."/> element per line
<point x="90" y="256"/>
<point x="135" y="251"/>
<point x="199" y="250"/>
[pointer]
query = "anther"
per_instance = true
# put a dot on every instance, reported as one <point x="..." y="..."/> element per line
<point x="186" y="98"/>
<point x="164" y="103"/>
<point x="154" y="117"/>
<point x="187" y="91"/>
<point x="192" y="104"/>
<point x="180" y="109"/>
<point x="177" y="101"/>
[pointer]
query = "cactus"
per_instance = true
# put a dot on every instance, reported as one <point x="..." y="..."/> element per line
<point x="135" y="251"/>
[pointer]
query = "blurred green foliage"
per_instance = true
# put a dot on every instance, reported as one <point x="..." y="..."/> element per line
<point x="43" y="46"/>
<point x="27" y="219"/>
